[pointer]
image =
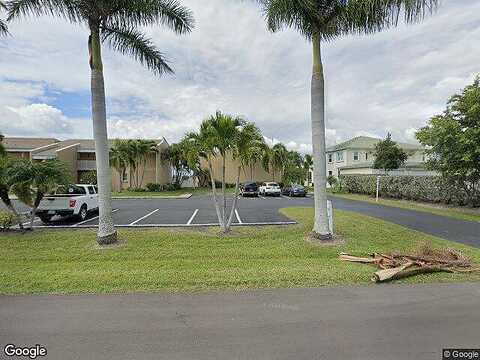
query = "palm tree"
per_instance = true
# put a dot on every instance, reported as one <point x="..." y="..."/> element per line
<point x="146" y="148"/>
<point x="176" y="156"/>
<point x="6" y="185"/>
<point x="255" y="154"/>
<point x="115" y="22"/>
<point x="3" y="25"/>
<point x="119" y="159"/>
<point x="274" y="158"/>
<point x="32" y="180"/>
<point x="325" y="20"/>
<point x="248" y="140"/>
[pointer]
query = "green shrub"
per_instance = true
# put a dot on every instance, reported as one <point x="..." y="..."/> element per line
<point x="88" y="177"/>
<point x="154" y="187"/>
<point x="332" y="180"/>
<point x="136" y="189"/>
<point x="434" y="189"/>
<point x="7" y="220"/>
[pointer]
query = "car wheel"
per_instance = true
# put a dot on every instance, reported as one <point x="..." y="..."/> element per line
<point x="82" y="215"/>
<point x="45" y="218"/>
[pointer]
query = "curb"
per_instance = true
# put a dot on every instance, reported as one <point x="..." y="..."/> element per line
<point x="179" y="197"/>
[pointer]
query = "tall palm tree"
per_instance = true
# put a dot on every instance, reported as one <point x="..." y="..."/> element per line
<point x="274" y="158"/>
<point x="325" y="20"/>
<point x="115" y="22"/>
<point x="3" y="25"/>
<point x="146" y="148"/>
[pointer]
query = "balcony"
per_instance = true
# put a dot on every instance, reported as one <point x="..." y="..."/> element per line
<point x="84" y="165"/>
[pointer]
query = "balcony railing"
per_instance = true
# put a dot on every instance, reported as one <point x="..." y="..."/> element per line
<point x="86" y="165"/>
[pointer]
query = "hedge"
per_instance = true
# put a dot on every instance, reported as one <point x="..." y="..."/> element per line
<point x="434" y="189"/>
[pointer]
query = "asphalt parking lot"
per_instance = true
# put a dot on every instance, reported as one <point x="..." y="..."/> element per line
<point x="196" y="211"/>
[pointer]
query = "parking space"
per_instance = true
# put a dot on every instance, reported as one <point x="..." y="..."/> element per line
<point x="196" y="211"/>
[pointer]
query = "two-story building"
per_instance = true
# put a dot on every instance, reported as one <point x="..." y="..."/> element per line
<point x="79" y="156"/>
<point x="356" y="156"/>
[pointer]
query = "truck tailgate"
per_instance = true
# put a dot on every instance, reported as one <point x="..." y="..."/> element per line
<point x="55" y="203"/>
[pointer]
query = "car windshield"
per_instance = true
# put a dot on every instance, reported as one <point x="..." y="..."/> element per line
<point x="299" y="187"/>
<point x="272" y="184"/>
<point x="250" y="184"/>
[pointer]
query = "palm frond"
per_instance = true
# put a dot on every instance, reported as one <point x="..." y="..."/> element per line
<point x="169" y="13"/>
<point x="61" y="8"/>
<point x="3" y="28"/>
<point x="130" y="41"/>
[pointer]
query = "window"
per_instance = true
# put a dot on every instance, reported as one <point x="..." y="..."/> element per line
<point x="330" y="158"/>
<point x="96" y="189"/>
<point x="366" y="156"/>
<point x="91" y="190"/>
<point x="340" y="156"/>
<point x="330" y="173"/>
<point x="356" y="156"/>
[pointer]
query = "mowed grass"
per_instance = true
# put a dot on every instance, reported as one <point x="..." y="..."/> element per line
<point x="442" y="210"/>
<point x="193" y="260"/>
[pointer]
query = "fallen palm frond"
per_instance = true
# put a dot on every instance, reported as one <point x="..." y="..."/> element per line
<point x="423" y="261"/>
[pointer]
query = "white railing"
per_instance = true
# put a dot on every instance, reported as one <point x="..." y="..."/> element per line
<point x="86" y="165"/>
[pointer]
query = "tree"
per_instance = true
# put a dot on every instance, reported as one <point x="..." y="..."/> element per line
<point x="119" y="157"/>
<point x="32" y="180"/>
<point x="146" y="148"/>
<point x="6" y="185"/>
<point x="115" y="22"/>
<point x="3" y="151"/>
<point x="453" y="141"/>
<point x="3" y="25"/>
<point x="249" y="139"/>
<point x="294" y="170"/>
<point x="274" y="158"/>
<point x="325" y="20"/>
<point x="388" y="155"/>
<point x="175" y="154"/>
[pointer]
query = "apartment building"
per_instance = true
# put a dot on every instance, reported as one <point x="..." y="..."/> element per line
<point x="356" y="156"/>
<point x="79" y="156"/>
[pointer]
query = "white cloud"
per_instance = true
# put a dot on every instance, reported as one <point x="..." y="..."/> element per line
<point x="393" y="81"/>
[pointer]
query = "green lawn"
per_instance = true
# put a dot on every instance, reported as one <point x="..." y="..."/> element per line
<point x="193" y="191"/>
<point x="58" y="261"/>
<point x="458" y="213"/>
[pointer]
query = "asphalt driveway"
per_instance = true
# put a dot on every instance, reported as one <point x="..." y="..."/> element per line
<point x="374" y="322"/>
<point x="199" y="211"/>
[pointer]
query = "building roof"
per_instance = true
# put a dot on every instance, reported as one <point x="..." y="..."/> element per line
<point x="367" y="143"/>
<point x="87" y="145"/>
<point x="26" y="144"/>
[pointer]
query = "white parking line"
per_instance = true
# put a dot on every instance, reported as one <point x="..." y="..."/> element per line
<point x="286" y="197"/>
<point x="28" y="222"/>
<point x="238" y="217"/>
<point x="263" y="197"/>
<point x="192" y="217"/>
<point x="144" y="217"/>
<point x="88" y="220"/>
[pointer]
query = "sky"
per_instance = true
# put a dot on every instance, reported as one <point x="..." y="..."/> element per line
<point x="392" y="81"/>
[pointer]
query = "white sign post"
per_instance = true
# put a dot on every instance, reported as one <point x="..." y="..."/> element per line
<point x="378" y="187"/>
<point x="330" y="216"/>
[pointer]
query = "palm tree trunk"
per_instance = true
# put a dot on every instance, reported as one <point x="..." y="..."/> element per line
<point x="214" y="193"/>
<point x="224" y="210"/>
<point x="143" y="172"/>
<point x="36" y="202"/>
<point x="234" y="204"/>
<point x="320" y="229"/>
<point x="106" y="230"/>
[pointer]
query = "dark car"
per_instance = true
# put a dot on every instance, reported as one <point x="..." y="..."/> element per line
<point x="294" y="190"/>
<point x="249" y="188"/>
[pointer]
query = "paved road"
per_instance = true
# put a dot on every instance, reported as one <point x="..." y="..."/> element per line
<point x="376" y="322"/>
<point x="265" y="210"/>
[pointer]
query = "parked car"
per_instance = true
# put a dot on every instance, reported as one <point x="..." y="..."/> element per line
<point x="270" y="188"/>
<point x="294" y="190"/>
<point x="73" y="200"/>
<point x="249" y="188"/>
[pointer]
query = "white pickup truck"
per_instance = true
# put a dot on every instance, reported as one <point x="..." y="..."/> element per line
<point x="73" y="200"/>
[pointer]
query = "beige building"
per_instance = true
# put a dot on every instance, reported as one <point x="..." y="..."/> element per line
<point x="258" y="174"/>
<point x="79" y="156"/>
<point x="356" y="156"/>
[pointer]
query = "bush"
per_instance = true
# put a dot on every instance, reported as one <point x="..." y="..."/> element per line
<point x="136" y="189"/>
<point x="154" y="187"/>
<point x="88" y="177"/>
<point x="218" y="185"/>
<point x="332" y="180"/>
<point x="7" y="220"/>
<point x="434" y="189"/>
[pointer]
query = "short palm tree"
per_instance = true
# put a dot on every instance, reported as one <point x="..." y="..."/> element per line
<point x="3" y="24"/>
<point x="6" y="185"/>
<point x="248" y="140"/>
<point x="146" y="148"/>
<point x="32" y="180"/>
<point x="274" y="158"/>
<point x="119" y="159"/>
<point x="115" y="22"/>
<point x="325" y="20"/>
